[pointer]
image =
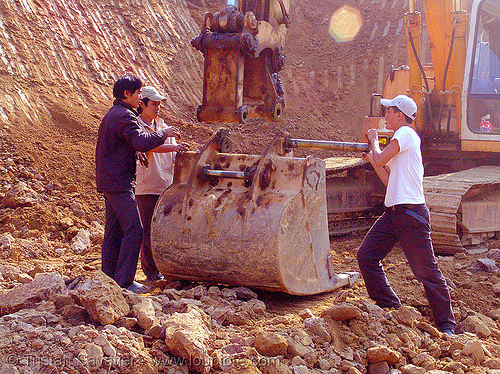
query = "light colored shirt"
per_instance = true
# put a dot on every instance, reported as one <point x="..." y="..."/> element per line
<point x="405" y="185"/>
<point x="159" y="174"/>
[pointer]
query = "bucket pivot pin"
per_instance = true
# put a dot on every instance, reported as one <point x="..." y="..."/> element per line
<point x="212" y="176"/>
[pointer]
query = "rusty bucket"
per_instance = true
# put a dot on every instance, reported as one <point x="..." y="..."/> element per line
<point x="246" y="220"/>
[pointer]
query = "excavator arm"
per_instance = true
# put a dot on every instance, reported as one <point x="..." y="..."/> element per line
<point x="243" y="50"/>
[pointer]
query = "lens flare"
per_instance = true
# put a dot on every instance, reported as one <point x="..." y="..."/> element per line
<point x="345" y="24"/>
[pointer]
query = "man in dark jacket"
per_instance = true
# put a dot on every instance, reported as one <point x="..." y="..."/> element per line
<point x="119" y="139"/>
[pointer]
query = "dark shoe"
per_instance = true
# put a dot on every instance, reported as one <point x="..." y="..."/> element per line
<point x="449" y="332"/>
<point x="137" y="287"/>
<point x="157" y="277"/>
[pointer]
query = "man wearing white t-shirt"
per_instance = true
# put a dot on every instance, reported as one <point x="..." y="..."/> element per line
<point x="406" y="218"/>
<point x="155" y="170"/>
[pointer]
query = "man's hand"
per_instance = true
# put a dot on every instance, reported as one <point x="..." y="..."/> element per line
<point x="173" y="132"/>
<point x="181" y="147"/>
<point x="372" y="135"/>
<point x="143" y="159"/>
<point x="367" y="156"/>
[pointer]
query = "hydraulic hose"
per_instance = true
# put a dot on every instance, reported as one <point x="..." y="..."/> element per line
<point x="427" y="124"/>
<point x="445" y="74"/>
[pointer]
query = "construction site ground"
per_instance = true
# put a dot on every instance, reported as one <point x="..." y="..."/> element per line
<point x="47" y="196"/>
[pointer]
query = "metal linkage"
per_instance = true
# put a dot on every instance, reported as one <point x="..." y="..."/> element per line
<point x="213" y="175"/>
<point x="325" y="145"/>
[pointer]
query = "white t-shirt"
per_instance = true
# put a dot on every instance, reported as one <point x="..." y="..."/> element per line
<point x="405" y="185"/>
<point x="154" y="179"/>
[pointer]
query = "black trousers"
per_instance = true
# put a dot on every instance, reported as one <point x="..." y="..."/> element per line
<point x="122" y="237"/>
<point x="411" y="228"/>
<point x="147" y="205"/>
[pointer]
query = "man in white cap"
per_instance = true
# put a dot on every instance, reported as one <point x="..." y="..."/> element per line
<point x="154" y="172"/>
<point x="406" y="217"/>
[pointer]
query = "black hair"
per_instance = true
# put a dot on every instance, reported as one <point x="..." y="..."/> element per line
<point x="145" y="100"/>
<point x="396" y="109"/>
<point x="127" y="82"/>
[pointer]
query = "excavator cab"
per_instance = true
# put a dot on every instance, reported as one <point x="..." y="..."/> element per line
<point x="242" y="48"/>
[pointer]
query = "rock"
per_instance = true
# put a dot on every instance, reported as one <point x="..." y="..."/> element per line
<point x="424" y="326"/>
<point x="454" y="366"/>
<point x="489" y="265"/>
<point x="408" y="315"/>
<point x="496" y="289"/>
<point x="6" y="241"/>
<point x="300" y="369"/>
<point x="213" y="291"/>
<point x="155" y="331"/>
<point x="244" y="366"/>
<point x="316" y="327"/>
<point x="424" y="360"/>
<point x="80" y="244"/>
<point x="19" y="196"/>
<point x="372" y="309"/>
<point x="494" y="254"/>
<point x="412" y="369"/>
<point x="94" y="355"/>
<point x="8" y="369"/>
<point x="379" y="368"/>
<point x="274" y="367"/>
<point x="9" y="272"/>
<point x="77" y="209"/>
<point x="381" y="353"/>
<point x="270" y="344"/>
<point x="103" y="299"/>
<point x="475" y="325"/>
<point x="476" y="350"/>
<point x="187" y="336"/>
<point x="24" y="278"/>
<point x="145" y="313"/>
<point x="342" y="312"/>
<point x="306" y="313"/>
<point x="74" y="312"/>
<point x="27" y="296"/>
<point x="244" y="293"/>
<point x="297" y="349"/>
<point x="492" y="363"/>
<point x="199" y="291"/>
<point x="96" y="232"/>
<point x="126" y="322"/>
<point x="257" y="306"/>
<point x="66" y="223"/>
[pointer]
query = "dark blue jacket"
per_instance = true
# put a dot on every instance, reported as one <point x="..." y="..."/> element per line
<point x="118" y="140"/>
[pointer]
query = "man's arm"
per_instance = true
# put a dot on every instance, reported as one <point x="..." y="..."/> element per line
<point x="165" y="148"/>
<point x="381" y="158"/>
<point x="382" y="171"/>
<point x="140" y="140"/>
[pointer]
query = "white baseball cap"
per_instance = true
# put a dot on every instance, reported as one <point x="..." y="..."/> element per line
<point x="152" y="94"/>
<point x="404" y="103"/>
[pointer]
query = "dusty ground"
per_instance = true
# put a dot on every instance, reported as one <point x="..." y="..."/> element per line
<point x="327" y="87"/>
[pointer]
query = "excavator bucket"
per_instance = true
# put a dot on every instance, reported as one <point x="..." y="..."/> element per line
<point x="246" y="220"/>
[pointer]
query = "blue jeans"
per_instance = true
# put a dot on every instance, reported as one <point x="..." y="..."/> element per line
<point x="122" y="237"/>
<point x="411" y="228"/>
